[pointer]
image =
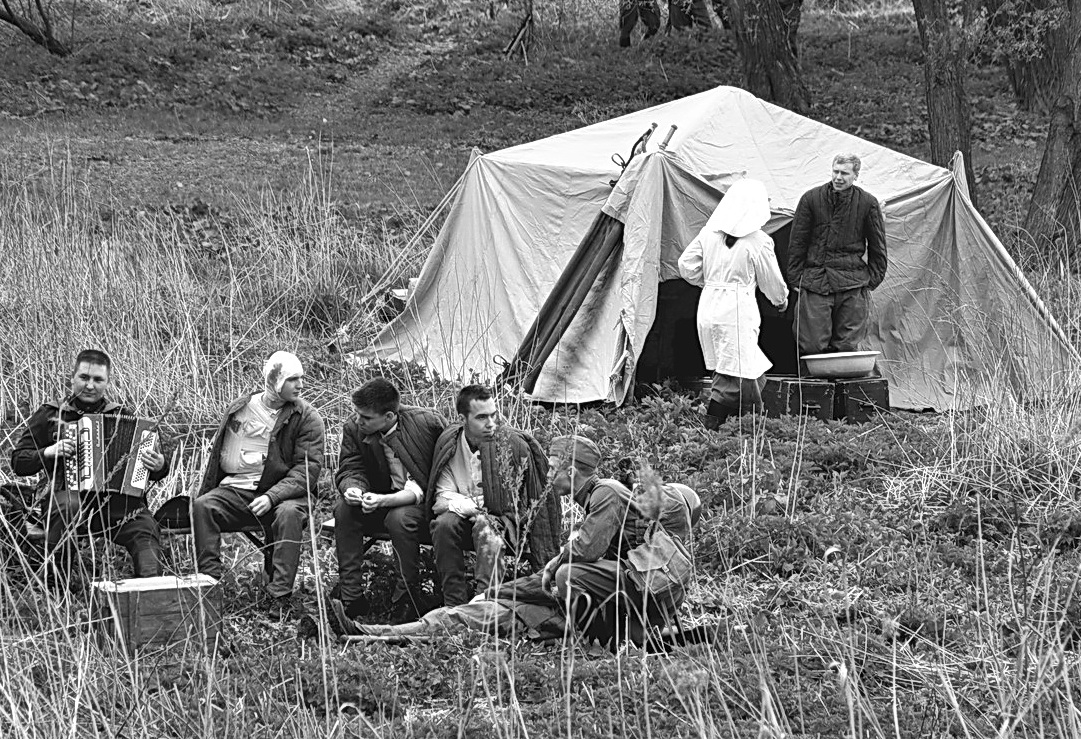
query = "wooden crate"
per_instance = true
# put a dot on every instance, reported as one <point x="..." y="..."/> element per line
<point x="861" y="399"/>
<point x="792" y="396"/>
<point x="157" y="611"/>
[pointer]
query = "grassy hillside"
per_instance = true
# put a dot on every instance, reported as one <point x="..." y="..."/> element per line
<point x="204" y="182"/>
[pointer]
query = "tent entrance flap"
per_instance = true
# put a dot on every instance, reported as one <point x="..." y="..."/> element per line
<point x="600" y="245"/>
<point x="672" y="349"/>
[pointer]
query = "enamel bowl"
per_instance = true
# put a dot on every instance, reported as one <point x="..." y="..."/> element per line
<point x="841" y="364"/>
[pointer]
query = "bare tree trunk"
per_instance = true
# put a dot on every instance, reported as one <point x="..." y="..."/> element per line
<point x="1054" y="213"/>
<point x="1041" y="40"/>
<point x="1023" y="31"/>
<point x="766" y="37"/>
<point x="28" y="22"/>
<point x="945" y="64"/>
<point x="1033" y="83"/>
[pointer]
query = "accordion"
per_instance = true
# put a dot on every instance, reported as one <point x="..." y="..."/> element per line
<point x="106" y="455"/>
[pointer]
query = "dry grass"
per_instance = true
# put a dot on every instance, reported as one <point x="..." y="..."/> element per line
<point x="181" y="307"/>
<point x="179" y="317"/>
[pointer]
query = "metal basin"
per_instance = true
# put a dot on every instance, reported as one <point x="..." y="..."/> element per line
<point x="841" y="364"/>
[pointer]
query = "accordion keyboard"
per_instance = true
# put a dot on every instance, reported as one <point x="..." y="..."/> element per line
<point x="71" y="462"/>
<point x="148" y="440"/>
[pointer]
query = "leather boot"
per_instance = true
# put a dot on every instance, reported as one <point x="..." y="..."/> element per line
<point x="716" y="414"/>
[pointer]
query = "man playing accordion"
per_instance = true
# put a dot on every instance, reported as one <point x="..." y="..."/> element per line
<point x="46" y="447"/>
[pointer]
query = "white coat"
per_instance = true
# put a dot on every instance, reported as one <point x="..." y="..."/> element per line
<point x="728" y="318"/>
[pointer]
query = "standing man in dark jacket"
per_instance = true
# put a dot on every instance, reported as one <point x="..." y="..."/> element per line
<point x="487" y="492"/>
<point x="44" y="448"/>
<point x="384" y="468"/>
<point x="263" y="468"/>
<point x="836" y="256"/>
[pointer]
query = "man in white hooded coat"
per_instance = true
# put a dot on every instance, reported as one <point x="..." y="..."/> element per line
<point x="729" y="258"/>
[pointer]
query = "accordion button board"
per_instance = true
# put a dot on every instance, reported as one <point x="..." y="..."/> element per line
<point x="107" y="454"/>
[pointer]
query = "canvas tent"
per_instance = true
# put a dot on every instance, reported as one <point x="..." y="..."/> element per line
<point x="955" y="320"/>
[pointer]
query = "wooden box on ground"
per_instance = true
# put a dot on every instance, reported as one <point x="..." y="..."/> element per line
<point x="157" y="611"/>
<point x="794" y="396"/>
<point x="860" y="399"/>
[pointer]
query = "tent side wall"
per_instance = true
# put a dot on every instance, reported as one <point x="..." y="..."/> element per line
<point x="1025" y="355"/>
<point x="491" y="266"/>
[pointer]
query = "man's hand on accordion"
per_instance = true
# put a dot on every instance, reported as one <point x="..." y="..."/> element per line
<point x="64" y="448"/>
<point x="152" y="459"/>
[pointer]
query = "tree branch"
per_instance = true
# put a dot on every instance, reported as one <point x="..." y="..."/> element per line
<point x="45" y="38"/>
<point x="44" y="19"/>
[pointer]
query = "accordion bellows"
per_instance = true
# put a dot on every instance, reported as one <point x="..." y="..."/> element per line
<point x="106" y="455"/>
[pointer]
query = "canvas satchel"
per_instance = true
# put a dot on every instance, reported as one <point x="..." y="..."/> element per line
<point x="660" y="567"/>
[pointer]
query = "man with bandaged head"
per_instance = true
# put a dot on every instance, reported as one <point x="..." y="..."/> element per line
<point x="264" y="465"/>
<point x="587" y="579"/>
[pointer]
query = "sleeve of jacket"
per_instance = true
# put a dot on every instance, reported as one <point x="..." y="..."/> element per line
<point x="799" y="240"/>
<point x="874" y="232"/>
<point x="603" y="520"/>
<point x="303" y="476"/>
<point x="420" y="452"/>
<point x="545" y="517"/>
<point x="212" y="475"/>
<point x="26" y="457"/>
<point x="352" y="471"/>
<point x="691" y="263"/>
<point x="768" y="273"/>
<point x="441" y="456"/>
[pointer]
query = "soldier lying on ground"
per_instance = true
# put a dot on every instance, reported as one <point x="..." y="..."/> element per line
<point x="590" y="575"/>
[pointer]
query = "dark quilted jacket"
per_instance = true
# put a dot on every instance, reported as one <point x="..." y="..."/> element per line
<point x="363" y="464"/>
<point x="827" y="247"/>
<point x="514" y="471"/>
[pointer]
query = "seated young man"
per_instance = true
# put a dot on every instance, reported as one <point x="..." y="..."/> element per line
<point x="485" y="478"/>
<point x="383" y="471"/>
<point x="263" y="468"/>
<point x="43" y="448"/>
